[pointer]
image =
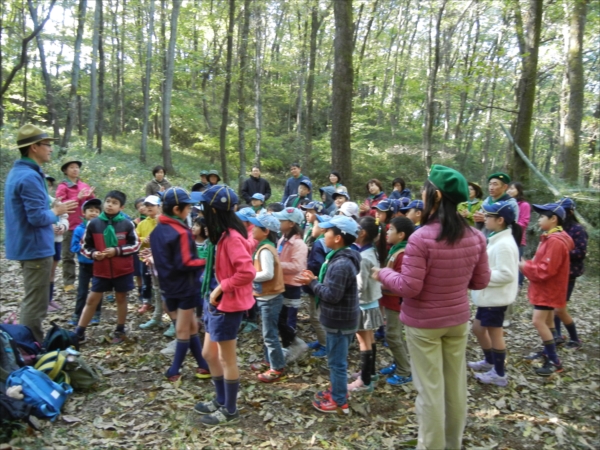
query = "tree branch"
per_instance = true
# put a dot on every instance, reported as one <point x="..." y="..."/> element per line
<point x="512" y="111"/>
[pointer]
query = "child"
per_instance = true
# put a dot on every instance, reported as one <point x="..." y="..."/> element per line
<point x="399" y="189"/>
<point x="576" y="256"/>
<point x="138" y="266"/>
<point x="268" y="288"/>
<point x="227" y="293"/>
<point x="327" y="198"/>
<point x="91" y="209"/>
<point x="492" y="302"/>
<point x="59" y="230"/>
<point x="548" y="274"/>
<point x="369" y="293"/>
<point x="202" y="248"/>
<point x="397" y="206"/>
<point x="349" y="209"/>
<point x="250" y="321"/>
<point x="110" y="240"/>
<point x="303" y="195"/>
<point x="257" y="201"/>
<point x="336" y="290"/>
<point x="414" y="212"/>
<point x="178" y="267"/>
<point x="292" y="255"/>
<point x="144" y="230"/>
<point x="312" y="210"/>
<point x="384" y="211"/>
<point x="397" y="236"/>
<point x="339" y="198"/>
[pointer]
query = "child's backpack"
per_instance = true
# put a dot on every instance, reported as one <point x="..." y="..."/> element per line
<point x="44" y="395"/>
<point x="25" y="341"/>
<point x="67" y="366"/>
<point x="10" y="358"/>
<point x="58" y="338"/>
<point x="12" y="411"/>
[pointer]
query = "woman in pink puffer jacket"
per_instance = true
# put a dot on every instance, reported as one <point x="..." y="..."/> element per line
<point x="443" y="259"/>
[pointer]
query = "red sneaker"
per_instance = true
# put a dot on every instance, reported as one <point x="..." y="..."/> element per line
<point x="271" y="375"/>
<point x="259" y="366"/>
<point x="203" y="374"/>
<point x="329" y="406"/>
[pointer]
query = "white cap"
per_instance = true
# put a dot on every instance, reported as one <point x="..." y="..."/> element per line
<point x="349" y="209"/>
<point x="153" y="200"/>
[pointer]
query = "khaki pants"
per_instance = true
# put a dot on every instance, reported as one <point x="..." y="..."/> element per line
<point x="395" y="340"/>
<point x="158" y="303"/>
<point x="439" y="373"/>
<point x="34" y="307"/>
<point x="68" y="260"/>
<point x="314" y="314"/>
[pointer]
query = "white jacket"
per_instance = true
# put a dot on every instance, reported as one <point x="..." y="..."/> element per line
<point x="369" y="290"/>
<point x="63" y="222"/>
<point x="503" y="257"/>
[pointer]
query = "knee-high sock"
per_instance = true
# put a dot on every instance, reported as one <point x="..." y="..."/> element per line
<point x="499" y="357"/>
<point x="196" y="348"/>
<point x="180" y="351"/>
<point x="366" y="363"/>
<point x="373" y="359"/>
<point x="231" y="391"/>
<point x="219" y="383"/>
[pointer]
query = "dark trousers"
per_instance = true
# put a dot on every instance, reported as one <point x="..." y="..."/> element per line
<point x="146" y="284"/>
<point x="286" y="332"/>
<point x="86" y="273"/>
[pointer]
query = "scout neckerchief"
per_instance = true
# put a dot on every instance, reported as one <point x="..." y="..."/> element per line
<point x="394" y="249"/>
<point x="208" y="269"/>
<point x="323" y="270"/>
<point x="259" y="246"/>
<point x="555" y="230"/>
<point x="501" y="198"/>
<point x="110" y="237"/>
<point x="202" y="249"/>
<point x="308" y="232"/>
<point x="472" y="203"/>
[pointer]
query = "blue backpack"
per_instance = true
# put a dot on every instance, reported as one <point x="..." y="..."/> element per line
<point x="44" y="395"/>
<point x="25" y="341"/>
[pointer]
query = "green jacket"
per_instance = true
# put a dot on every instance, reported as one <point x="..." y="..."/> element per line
<point x="472" y="206"/>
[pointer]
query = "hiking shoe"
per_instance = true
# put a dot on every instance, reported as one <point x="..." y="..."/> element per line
<point x="358" y="386"/>
<point x="170" y="331"/>
<point x="491" y="377"/>
<point x="329" y="406"/>
<point x="271" y="375"/>
<point x="321" y="352"/>
<point x="533" y="356"/>
<point x="74" y="320"/>
<point x="207" y="407"/>
<point x="172" y="378"/>
<point x="69" y="288"/>
<point x="146" y="307"/>
<point x="480" y="366"/>
<point x="389" y="370"/>
<point x="573" y="345"/>
<point x="169" y="350"/>
<point x="201" y="373"/>
<point x="118" y="337"/>
<point x="314" y="345"/>
<point x="398" y="380"/>
<point x="220" y="417"/>
<point x="549" y="368"/>
<point x="151" y="324"/>
<point x="249" y="327"/>
<point x="559" y="340"/>
<point x="259" y="366"/>
<point x="95" y="320"/>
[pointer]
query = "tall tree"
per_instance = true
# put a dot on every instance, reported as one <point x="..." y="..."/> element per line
<point x="101" y="76"/>
<point x="91" y="128"/>
<point x="257" y="81"/>
<point x="315" y="24"/>
<point x="167" y="95"/>
<point x="227" y="93"/>
<point x="146" y="83"/>
<point x="341" y="95"/>
<point x="243" y="53"/>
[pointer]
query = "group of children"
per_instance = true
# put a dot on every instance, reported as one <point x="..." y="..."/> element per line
<point x="201" y="256"/>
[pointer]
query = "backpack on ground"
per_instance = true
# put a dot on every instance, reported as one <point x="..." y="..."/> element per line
<point x="25" y="341"/>
<point x="10" y="357"/>
<point x="12" y="411"/>
<point x="68" y="366"/>
<point x="44" y="395"/>
<point x="58" y="338"/>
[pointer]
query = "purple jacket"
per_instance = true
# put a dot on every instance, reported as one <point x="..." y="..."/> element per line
<point x="435" y="277"/>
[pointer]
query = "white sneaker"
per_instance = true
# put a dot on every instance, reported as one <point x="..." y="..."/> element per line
<point x="506" y="324"/>
<point x="169" y="350"/>
<point x="480" y="366"/>
<point x="296" y="350"/>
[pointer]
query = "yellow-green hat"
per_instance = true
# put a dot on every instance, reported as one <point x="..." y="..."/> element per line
<point x="451" y="182"/>
<point x="66" y="161"/>
<point x="500" y="176"/>
<point x="30" y="134"/>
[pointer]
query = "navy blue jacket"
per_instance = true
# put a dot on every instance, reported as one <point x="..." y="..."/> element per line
<point x="316" y="258"/>
<point x="291" y="187"/>
<point x="27" y="215"/>
<point x="395" y="195"/>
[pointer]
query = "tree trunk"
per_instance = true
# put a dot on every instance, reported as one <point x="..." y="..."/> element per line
<point x="257" y="83"/>
<point x="243" y="51"/>
<point x="315" y="24"/>
<point x="301" y="76"/>
<point x="529" y="42"/>
<point x="23" y="119"/>
<point x="166" y="117"/>
<point x="117" y="80"/>
<point x="146" y="83"/>
<point x="79" y="116"/>
<point x="341" y="95"/>
<point x="91" y="128"/>
<point x="572" y="137"/>
<point x="121" y="64"/>
<point x="101" y="74"/>
<point x="226" y="94"/>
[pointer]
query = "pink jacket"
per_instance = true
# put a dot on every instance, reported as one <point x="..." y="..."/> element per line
<point x="69" y="191"/>
<point x="435" y="277"/>
<point x="524" y="217"/>
<point x="292" y="258"/>
<point x="235" y="272"/>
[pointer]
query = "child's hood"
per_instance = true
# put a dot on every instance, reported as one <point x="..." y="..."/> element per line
<point x="352" y="255"/>
<point x="562" y="237"/>
<point x="329" y="191"/>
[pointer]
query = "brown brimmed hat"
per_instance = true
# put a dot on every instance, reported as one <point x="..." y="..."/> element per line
<point x="30" y="134"/>
<point x="65" y="163"/>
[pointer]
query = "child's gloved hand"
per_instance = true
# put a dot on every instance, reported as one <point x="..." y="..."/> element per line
<point x="15" y="392"/>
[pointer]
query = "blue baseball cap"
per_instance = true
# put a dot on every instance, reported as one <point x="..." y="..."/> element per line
<point x="258" y="196"/>
<point x="340" y="194"/>
<point x="317" y="206"/>
<point x="402" y="202"/>
<point x="220" y="197"/>
<point x="92" y="202"/>
<point x="383" y="205"/>
<point x="416" y="204"/>
<point x="567" y="203"/>
<point x="323" y="218"/>
<point x="245" y="214"/>
<point x="553" y="208"/>
<point x="175" y="196"/>
<point x="502" y="209"/>
<point x="306" y="182"/>
<point x="345" y="224"/>
<point x="266" y="221"/>
<point x="292" y="214"/>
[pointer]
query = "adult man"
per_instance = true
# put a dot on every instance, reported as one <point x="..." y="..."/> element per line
<point x="497" y="186"/>
<point x="29" y="223"/>
<point x="292" y="183"/>
<point x="255" y="185"/>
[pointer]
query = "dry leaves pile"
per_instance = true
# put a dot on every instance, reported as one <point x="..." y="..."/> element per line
<point x="134" y="407"/>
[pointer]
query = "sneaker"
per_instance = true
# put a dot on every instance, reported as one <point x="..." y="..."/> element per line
<point x="559" y="340"/>
<point x="51" y="308"/>
<point x="314" y="345"/>
<point x="398" y="380"/>
<point x="81" y="338"/>
<point x="74" y="320"/>
<point x="380" y="334"/>
<point x="169" y="350"/>
<point x="110" y="298"/>
<point x="480" y="366"/>
<point x="146" y="307"/>
<point x="296" y="350"/>
<point x="535" y="355"/>
<point x="549" y="368"/>
<point x="151" y="324"/>
<point x="325" y="395"/>
<point x="220" y="417"/>
<point x="321" y="352"/>
<point x="358" y="386"/>
<point x="506" y="323"/>
<point x="207" y="407"/>
<point x="573" y="345"/>
<point x="249" y="327"/>
<point x="69" y="288"/>
<point x="174" y="378"/>
<point x="118" y="337"/>
<point x="271" y="375"/>
<point x="389" y="370"/>
<point x="491" y="377"/>
<point x="201" y="373"/>
<point x="329" y="406"/>
<point x="259" y="366"/>
<point x="54" y="305"/>
<point x="170" y="331"/>
<point x="95" y="320"/>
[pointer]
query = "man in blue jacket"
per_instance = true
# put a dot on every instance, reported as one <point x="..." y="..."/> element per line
<point x="29" y="224"/>
<point x="293" y="182"/>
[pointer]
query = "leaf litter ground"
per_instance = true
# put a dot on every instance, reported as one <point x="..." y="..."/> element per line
<point x="134" y="407"/>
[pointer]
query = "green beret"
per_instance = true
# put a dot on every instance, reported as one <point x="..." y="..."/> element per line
<point x="500" y="176"/>
<point x="451" y="182"/>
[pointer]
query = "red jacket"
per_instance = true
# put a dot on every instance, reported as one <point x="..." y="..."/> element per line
<point x="388" y="299"/>
<point x="548" y="271"/>
<point x="70" y="191"/>
<point x="128" y="244"/>
<point x="370" y="202"/>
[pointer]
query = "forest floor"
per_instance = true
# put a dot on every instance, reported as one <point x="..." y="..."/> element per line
<point x="134" y="407"/>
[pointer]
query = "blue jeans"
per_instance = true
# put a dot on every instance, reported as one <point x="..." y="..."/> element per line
<point x="269" y="311"/>
<point x="337" y="359"/>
